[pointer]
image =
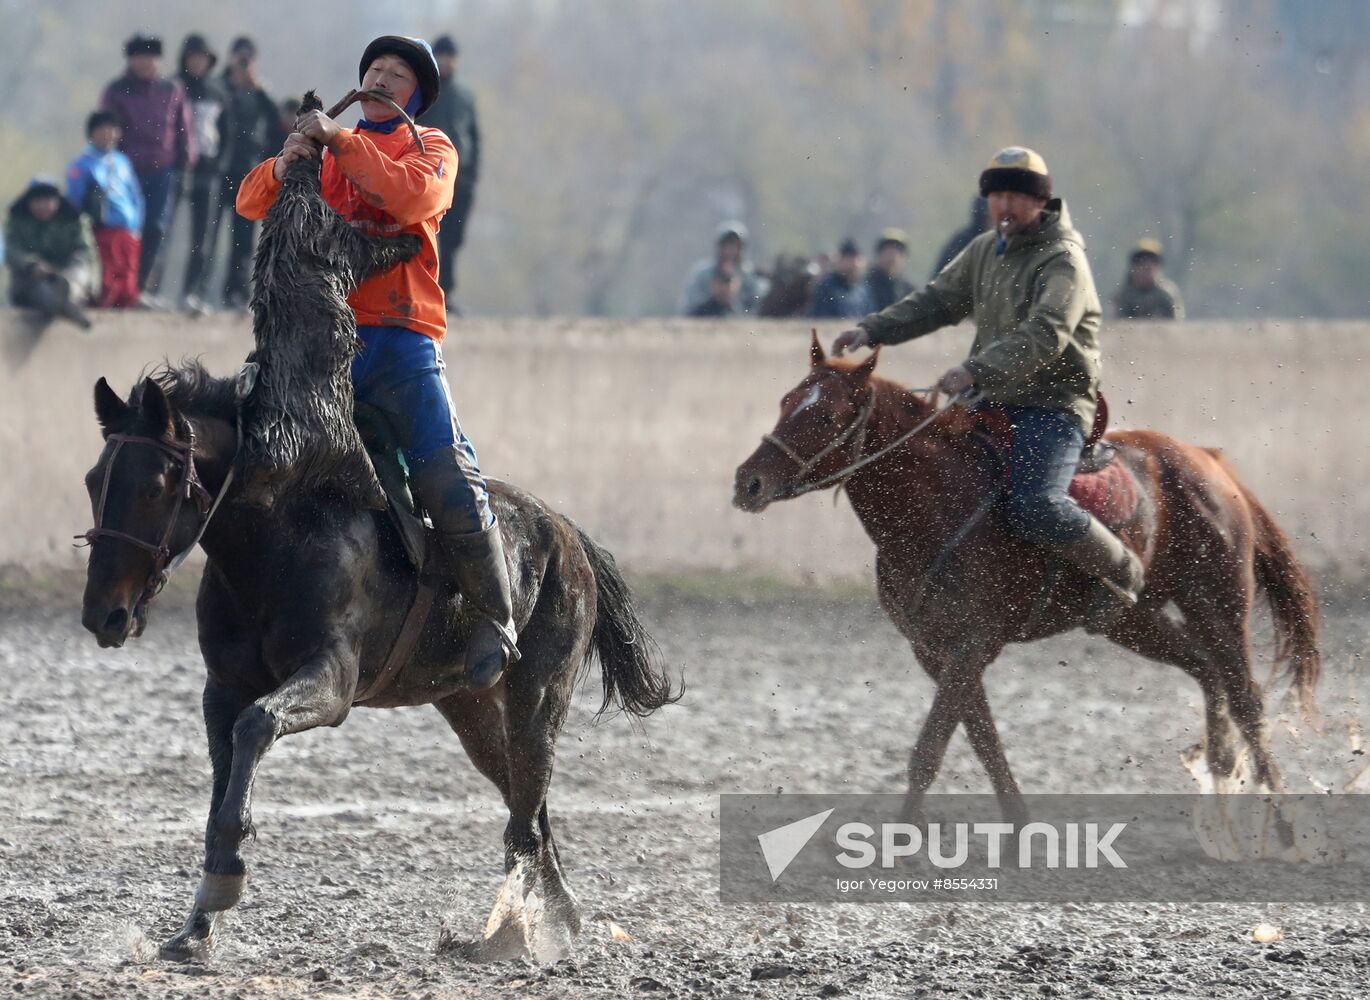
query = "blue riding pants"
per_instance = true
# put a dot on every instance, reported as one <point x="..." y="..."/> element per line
<point x="1046" y="451"/>
<point x="402" y="373"/>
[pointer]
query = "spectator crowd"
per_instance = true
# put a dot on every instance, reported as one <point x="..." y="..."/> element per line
<point x="841" y="285"/>
<point x="97" y="236"/>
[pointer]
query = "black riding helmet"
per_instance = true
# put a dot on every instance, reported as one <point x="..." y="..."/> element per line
<point x="414" y="51"/>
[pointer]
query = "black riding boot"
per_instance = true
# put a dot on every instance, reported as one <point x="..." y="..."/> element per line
<point x="472" y="558"/>
<point x="476" y="562"/>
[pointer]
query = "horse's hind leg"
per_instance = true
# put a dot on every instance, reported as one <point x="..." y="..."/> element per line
<point x="1222" y="626"/>
<point x="537" y="710"/>
<point x="224" y="867"/>
<point x="510" y="739"/>
<point x="1148" y="631"/>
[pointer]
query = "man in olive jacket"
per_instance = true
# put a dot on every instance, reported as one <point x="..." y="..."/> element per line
<point x="1029" y="288"/>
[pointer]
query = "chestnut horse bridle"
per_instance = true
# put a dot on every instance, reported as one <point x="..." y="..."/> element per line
<point x="857" y="430"/>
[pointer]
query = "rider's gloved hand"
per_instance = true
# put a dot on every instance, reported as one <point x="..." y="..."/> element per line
<point x="956" y="381"/>
<point x="850" y="340"/>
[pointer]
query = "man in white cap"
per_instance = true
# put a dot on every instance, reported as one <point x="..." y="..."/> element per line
<point x="1030" y="290"/>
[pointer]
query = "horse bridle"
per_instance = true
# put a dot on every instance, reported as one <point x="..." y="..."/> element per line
<point x="190" y="487"/>
<point x="857" y="429"/>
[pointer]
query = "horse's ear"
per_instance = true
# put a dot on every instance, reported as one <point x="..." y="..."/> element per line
<point x="816" y="356"/>
<point x="110" y="410"/>
<point x="866" y="369"/>
<point x="155" y="408"/>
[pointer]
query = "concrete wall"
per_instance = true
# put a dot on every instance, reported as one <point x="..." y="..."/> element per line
<point x="635" y="428"/>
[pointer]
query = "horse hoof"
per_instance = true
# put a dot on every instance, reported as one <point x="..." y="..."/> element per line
<point x="219" y="892"/>
<point x="178" y="949"/>
<point x="505" y="944"/>
<point x="194" y="941"/>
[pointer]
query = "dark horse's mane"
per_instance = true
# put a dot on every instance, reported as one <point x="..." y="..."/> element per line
<point x="299" y="435"/>
<point x="193" y="391"/>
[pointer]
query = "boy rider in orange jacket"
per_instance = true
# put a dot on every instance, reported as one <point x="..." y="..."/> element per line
<point x="376" y="178"/>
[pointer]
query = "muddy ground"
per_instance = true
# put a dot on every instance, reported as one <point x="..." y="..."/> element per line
<point x="368" y="834"/>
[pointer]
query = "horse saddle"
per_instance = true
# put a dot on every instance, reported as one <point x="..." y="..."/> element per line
<point x="387" y="458"/>
<point x="1107" y="489"/>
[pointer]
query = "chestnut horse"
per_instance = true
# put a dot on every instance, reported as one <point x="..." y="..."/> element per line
<point x="959" y="587"/>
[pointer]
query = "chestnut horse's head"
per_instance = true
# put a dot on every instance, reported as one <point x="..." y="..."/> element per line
<point x="148" y="506"/>
<point x="822" y="421"/>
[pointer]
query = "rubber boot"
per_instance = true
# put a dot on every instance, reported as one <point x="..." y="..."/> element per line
<point x="476" y="562"/>
<point x="1101" y="554"/>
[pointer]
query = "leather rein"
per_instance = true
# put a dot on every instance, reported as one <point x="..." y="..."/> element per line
<point x="856" y="432"/>
<point x="190" y="487"/>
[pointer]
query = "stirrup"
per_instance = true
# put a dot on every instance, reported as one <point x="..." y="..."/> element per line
<point x="508" y="639"/>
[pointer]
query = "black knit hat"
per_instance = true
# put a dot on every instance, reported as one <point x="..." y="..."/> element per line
<point x="414" y="51"/>
<point x="143" y="45"/>
<point x="1016" y="168"/>
<point x="446" y="45"/>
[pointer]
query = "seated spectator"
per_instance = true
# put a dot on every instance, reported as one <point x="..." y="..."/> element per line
<point x="102" y="184"/>
<point x="49" y="253"/>
<point x="729" y="246"/>
<point x="1146" y="293"/>
<point x="841" y="292"/>
<point x="885" y="281"/>
<point x="724" y="288"/>
<point x="959" y="240"/>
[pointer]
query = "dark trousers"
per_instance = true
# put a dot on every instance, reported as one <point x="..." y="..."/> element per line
<point x="159" y="198"/>
<point x="242" y="235"/>
<point x="451" y="235"/>
<point x="1046" y="452"/>
<point x="204" y="229"/>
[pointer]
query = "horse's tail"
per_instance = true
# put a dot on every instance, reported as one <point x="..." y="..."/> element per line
<point x="629" y="659"/>
<point x="1293" y="605"/>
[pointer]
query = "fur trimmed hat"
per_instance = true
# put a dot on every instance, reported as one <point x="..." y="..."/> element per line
<point x="1016" y="168"/>
<point x="1148" y="248"/>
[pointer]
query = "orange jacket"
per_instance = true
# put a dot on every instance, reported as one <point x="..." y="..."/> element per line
<point x="382" y="184"/>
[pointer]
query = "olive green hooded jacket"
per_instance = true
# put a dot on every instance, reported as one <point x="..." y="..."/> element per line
<point x="1036" y="317"/>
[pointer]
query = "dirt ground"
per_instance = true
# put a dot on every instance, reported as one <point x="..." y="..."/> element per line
<point x="370" y="833"/>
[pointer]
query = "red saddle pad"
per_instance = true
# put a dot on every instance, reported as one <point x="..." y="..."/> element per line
<point x="1111" y="494"/>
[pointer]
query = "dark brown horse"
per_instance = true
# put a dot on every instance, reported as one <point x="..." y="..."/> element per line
<point x="304" y="606"/>
<point x="300" y="605"/>
<point x="960" y="587"/>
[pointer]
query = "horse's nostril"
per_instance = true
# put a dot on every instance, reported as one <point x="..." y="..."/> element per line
<point x="116" y="622"/>
<point x="754" y="488"/>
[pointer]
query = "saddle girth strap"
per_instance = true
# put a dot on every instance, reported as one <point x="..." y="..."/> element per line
<point x="404" y="644"/>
